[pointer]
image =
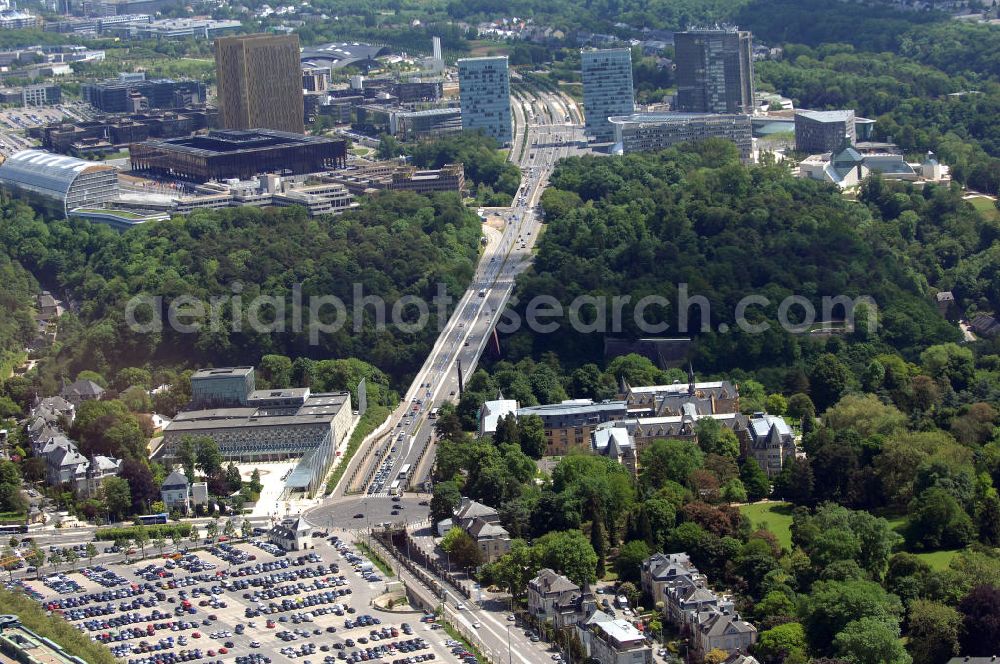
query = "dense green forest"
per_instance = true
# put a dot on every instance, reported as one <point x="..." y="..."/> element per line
<point x="396" y="244"/>
<point x="643" y="224"/>
<point x="17" y="300"/>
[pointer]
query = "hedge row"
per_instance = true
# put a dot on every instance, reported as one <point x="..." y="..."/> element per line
<point x="166" y="531"/>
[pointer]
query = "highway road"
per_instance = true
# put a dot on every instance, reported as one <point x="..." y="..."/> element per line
<point x="507" y="253"/>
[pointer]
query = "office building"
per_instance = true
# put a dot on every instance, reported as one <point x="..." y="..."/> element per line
<point x="823" y="131"/>
<point x="568" y="424"/>
<point x="714" y="71"/>
<point x="428" y="123"/>
<point x="273" y="425"/>
<point x="607" y="89"/>
<point x="127" y="95"/>
<point x="180" y="28"/>
<point x="225" y="154"/>
<point x="112" y="133"/>
<point x="260" y="82"/>
<point x="31" y="95"/>
<point x="643" y="132"/>
<point x="484" y="88"/>
<point x="19" y="20"/>
<point x="222" y="387"/>
<point x="56" y="183"/>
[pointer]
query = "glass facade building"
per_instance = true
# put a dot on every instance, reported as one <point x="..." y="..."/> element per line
<point x="714" y="71"/>
<point x="484" y="87"/>
<point x="607" y="89"/>
<point x="57" y="183"/>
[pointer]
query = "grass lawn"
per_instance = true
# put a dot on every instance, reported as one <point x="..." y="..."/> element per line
<point x="938" y="560"/>
<point x="775" y="516"/>
<point x="985" y="206"/>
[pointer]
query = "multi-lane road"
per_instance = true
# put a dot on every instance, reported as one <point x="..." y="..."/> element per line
<point x="466" y="334"/>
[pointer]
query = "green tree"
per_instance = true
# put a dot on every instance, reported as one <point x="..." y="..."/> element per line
<point x="871" y="641"/>
<point x="754" y="480"/>
<point x="833" y="604"/>
<point x="937" y="520"/>
<point x="714" y="438"/>
<point x="117" y="496"/>
<point x="276" y="370"/>
<point x="828" y="380"/>
<point x="91" y="552"/>
<point x="934" y="631"/>
<point x="532" y="440"/>
<point x="628" y="564"/>
<point x="777" y="644"/>
<point x="568" y="553"/>
<point x="12" y="499"/>
<point x="233" y="478"/>
<point x="733" y="491"/>
<point x="187" y="455"/>
<point x="669" y="460"/>
<point x="444" y="501"/>
<point x="513" y="570"/>
<point x="208" y="456"/>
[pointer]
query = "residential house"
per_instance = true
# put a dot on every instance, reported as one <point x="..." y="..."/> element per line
<point x="737" y="657"/>
<point x="63" y="464"/>
<point x="482" y="523"/>
<point x="771" y="442"/>
<point x="722" y="630"/>
<point x="611" y="641"/>
<point x="291" y="534"/>
<point x="47" y="306"/>
<point x="82" y="390"/>
<point x="554" y="598"/>
<point x="667" y="570"/>
<point x="175" y="492"/>
<point x="98" y="469"/>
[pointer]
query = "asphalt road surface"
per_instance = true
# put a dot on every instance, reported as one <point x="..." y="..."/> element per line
<point x="467" y="332"/>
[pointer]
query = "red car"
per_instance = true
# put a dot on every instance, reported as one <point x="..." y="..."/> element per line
<point x="196" y="635"/>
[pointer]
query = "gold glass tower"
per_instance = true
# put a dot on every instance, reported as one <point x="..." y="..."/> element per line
<point x="260" y="82"/>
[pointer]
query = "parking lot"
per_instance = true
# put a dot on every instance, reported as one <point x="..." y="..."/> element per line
<point x="248" y="603"/>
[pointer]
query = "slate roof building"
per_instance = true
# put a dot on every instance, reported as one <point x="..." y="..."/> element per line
<point x="553" y="597"/>
<point x="82" y="390"/>
<point x="291" y="534"/>
<point x="771" y="442"/>
<point x="175" y="492"/>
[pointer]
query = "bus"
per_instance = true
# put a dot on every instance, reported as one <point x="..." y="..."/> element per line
<point x="396" y="488"/>
<point x="404" y="472"/>
<point x="151" y="519"/>
<point x="434" y="413"/>
<point x="13" y="528"/>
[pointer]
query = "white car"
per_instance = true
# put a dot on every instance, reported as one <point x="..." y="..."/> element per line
<point x="460" y="606"/>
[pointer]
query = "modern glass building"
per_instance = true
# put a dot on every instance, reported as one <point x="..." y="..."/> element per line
<point x="714" y="71"/>
<point x="607" y="89"/>
<point x="643" y="132"/>
<point x="56" y="183"/>
<point x="484" y="87"/>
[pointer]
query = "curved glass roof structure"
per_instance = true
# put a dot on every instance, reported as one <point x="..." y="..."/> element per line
<point x="45" y="171"/>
